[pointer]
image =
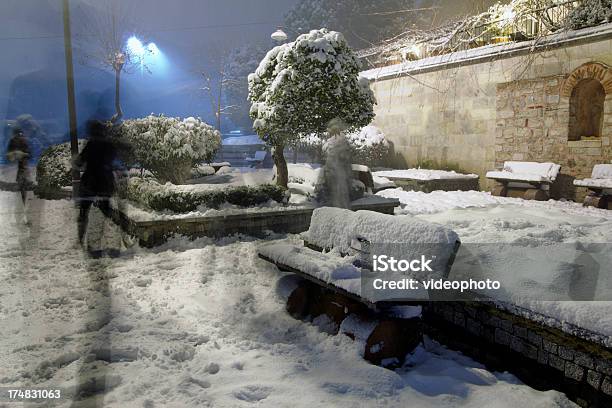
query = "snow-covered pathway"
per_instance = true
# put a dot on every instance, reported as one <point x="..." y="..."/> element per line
<point x="195" y="324"/>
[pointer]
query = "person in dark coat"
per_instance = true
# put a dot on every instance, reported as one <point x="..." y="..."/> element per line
<point x="19" y="151"/>
<point x="97" y="182"/>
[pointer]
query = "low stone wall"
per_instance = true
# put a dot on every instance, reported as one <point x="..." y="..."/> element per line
<point x="541" y="356"/>
<point x="427" y="186"/>
<point x="255" y="223"/>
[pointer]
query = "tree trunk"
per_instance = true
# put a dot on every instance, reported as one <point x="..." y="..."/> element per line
<point x="118" y="112"/>
<point x="295" y="155"/>
<point x="282" y="173"/>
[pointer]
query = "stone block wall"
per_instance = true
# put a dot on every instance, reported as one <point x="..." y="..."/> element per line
<point x="541" y="356"/>
<point x="533" y="125"/>
<point x="473" y="115"/>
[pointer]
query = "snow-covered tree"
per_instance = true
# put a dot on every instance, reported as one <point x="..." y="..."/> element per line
<point x="300" y="87"/>
<point x="170" y="147"/>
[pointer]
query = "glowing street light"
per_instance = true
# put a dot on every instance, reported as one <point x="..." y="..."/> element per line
<point x="152" y="48"/>
<point x="142" y="52"/>
<point x="135" y="47"/>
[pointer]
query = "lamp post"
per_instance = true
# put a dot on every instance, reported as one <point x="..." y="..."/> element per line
<point x="118" y="63"/>
<point x="72" y="119"/>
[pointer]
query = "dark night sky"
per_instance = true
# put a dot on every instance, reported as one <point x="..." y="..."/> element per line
<point x="31" y="39"/>
<point x="31" y="30"/>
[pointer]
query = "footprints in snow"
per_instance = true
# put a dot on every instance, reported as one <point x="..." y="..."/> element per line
<point x="253" y="393"/>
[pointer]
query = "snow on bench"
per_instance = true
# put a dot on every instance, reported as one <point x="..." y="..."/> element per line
<point x="601" y="178"/>
<point x="340" y="243"/>
<point x="427" y="180"/>
<point x="526" y="171"/>
<point x="259" y="157"/>
<point x="423" y="174"/>
<point x="600" y="184"/>
<point x="532" y="179"/>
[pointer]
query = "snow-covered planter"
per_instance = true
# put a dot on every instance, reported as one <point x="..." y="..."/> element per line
<point x="160" y="197"/>
<point x="53" y="170"/>
<point x="170" y="147"/>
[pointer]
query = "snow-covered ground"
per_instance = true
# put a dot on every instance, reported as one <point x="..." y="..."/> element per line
<point x="483" y="220"/>
<point x="196" y="324"/>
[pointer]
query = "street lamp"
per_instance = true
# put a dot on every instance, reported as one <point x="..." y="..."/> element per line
<point x="118" y="61"/>
<point x="279" y="36"/>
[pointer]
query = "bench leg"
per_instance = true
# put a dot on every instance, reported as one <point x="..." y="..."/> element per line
<point x="536" y="194"/>
<point x="391" y="340"/>
<point x="500" y="190"/>
<point x="597" y="201"/>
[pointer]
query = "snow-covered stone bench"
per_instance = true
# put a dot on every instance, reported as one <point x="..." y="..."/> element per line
<point x="528" y="180"/>
<point x="428" y="180"/>
<point x="600" y="185"/>
<point x="364" y="175"/>
<point x="257" y="159"/>
<point x="340" y="244"/>
<point x="334" y="261"/>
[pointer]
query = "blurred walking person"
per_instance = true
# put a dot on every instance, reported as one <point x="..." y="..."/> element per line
<point x="98" y="181"/>
<point x="19" y="151"/>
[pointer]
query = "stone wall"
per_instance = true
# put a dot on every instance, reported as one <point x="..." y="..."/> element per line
<point x="533" y="124"/>
<point x="541" y="356"/>
<point x="473" y="113"/>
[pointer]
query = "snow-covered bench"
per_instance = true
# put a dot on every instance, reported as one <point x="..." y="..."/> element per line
<point x="333" y="262"/>
<point x="426" y="180"/>
<point x="218" y="165"/>
<point x="529" y="180"/>
<point x="257" y="159"/>
<point x="600" y="184"/>
<point x="340" y="244"/>
<point x="363" y="174"/>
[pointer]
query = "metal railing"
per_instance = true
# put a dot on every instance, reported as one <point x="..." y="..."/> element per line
<point x="530" y="23"/>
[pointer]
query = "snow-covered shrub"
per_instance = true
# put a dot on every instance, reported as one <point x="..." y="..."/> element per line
<point x="300" y="87"/>
<point x="590" y="13"/>
<point x="369" y="146"/>
<point x="170" y="147"/>
<point x="312" y="145"/>
<point x="53" y="170"/>
<point x="161" y="197"/>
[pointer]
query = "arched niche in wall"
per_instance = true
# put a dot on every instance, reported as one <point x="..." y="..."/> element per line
<point x="586" y="88"/>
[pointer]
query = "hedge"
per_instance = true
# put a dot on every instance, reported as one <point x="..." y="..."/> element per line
<point x="160" y="197"/>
